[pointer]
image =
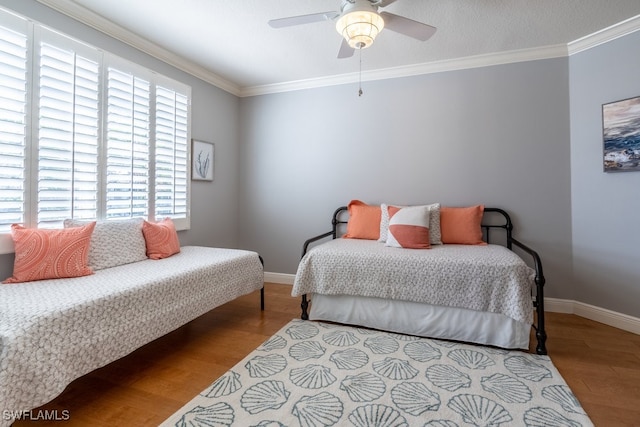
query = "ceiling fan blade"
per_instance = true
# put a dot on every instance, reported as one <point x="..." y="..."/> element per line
<point x="385" y="3"/>
<point x="303" y="19"/>
<point x="408" y="27"/>
<point x="345" y="51"/>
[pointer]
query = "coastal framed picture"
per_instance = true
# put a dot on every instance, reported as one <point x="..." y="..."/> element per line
<point x="621" y="135"/>
<point x="202" y="156"/>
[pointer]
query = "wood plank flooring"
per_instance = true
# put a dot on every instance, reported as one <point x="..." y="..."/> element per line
<point x="601" y="364"/>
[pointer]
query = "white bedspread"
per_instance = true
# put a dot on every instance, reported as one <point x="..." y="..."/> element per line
<point x="54" y="331"/>
<point x="484" y="278"/>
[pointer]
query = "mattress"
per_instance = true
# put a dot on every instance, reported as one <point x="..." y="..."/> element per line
<point x="53" y="331"/>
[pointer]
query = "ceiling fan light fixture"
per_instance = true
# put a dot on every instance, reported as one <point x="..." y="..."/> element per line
<point x="360" y="26"/>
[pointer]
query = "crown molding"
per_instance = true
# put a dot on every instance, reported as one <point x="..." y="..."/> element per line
<point x="105" y="26"/>
<point x="486" y="60"/>
<point x="605" y="35"/>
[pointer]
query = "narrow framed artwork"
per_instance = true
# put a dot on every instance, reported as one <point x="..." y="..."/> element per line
<point x="621" y="135"/>
<point x="202" y="157"/>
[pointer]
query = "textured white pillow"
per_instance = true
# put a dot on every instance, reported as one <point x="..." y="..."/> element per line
<point x="114" y="243"/>
<point x="435" y="237"/>
<point x="409" y="228"/>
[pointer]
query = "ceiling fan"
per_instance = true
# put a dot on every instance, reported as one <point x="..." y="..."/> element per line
<point x="359" y="22"/>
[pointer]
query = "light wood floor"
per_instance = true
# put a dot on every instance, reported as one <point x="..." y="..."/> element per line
<point x="601" y="364"/>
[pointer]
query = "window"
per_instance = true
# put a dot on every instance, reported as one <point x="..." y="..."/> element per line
<point x="128" y="143"/>
<point x="85" y="134"/>
<point x="66" y="128"/>
<point x="13" y="119"/>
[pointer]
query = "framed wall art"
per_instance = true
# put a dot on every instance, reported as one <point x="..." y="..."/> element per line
<point x="621" y="135"/>
<point x="202" y="156"/>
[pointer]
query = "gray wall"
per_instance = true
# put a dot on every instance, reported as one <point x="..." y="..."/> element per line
<point x="606" y="258"/>
<point x="495" y="135"/>
<point x="526" y="137"/>
<point x="214" y="118"/>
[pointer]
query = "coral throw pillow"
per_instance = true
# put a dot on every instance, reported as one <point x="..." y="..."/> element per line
<point x="364" y="221"/>
<point x="161" y="238"/>
<point x="462" y="226"/>
<point x="408" y="227"/>
<point x="50" y="254"/>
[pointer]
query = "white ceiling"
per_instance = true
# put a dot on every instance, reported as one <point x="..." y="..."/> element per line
<point x="229" y="43"/>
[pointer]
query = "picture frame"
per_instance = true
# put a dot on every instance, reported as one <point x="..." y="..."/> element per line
<point x="202" y="160"/>
<point x="621" y="135"/>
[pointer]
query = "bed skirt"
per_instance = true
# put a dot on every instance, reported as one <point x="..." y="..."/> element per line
<point x="406" y="317"/>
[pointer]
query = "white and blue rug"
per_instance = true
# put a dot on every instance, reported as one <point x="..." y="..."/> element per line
<point x="319" y="374"/>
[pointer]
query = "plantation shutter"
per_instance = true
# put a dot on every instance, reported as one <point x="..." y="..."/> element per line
<point x="13" y="120"/>
<point x="85" y="134"/>
<point x="172" y="154"/>
<point x="127" y="128"/>
<point x="68" y="111"/>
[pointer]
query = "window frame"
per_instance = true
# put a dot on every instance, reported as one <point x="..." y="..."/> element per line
<point x="36" y="33"/>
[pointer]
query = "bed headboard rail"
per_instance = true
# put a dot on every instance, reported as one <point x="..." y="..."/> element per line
<point x="340" y="216"/>
<point x="502" y="223"/>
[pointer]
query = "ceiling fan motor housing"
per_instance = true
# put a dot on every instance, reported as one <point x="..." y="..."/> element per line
<point x="359" y="23"/>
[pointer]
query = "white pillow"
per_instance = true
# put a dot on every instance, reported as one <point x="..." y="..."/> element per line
<point x="435" y="237"/>
<point x="114" y="243"/>
<point x="409" y="228"/>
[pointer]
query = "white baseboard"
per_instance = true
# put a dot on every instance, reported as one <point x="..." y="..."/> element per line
<point x="591" y="312"/>
<point x="280" y="278"/>
<point x="553" y="305"/>
<point x="608" y="317"/>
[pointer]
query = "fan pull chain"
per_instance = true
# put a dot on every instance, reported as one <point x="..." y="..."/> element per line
<point x="360" y="75"/>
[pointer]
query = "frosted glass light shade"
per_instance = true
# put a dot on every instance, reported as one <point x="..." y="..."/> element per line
<point x="360" y="27"/>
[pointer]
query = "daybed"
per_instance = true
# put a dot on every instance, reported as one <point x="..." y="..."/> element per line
<point x="482" y="293"/>
<point x="54" y="331"/>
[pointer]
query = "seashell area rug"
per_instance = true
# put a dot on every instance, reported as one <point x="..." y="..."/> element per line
<point x="320" y="374"/>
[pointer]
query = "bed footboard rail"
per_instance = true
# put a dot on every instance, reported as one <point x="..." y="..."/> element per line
<point x="538" y="302"/>
<point x="307" y="242"/>
<point x="335" y="223"/>
<point x="261" y="289"/>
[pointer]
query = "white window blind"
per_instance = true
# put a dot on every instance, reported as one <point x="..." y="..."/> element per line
<point x="68" y="115"/>
<point x="13" y="120"/>
<point x="172" y="153"/>
<point x="128" y="145"/>
<point x="85" y="134"/>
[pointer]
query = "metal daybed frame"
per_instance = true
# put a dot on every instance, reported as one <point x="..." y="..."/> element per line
<point x="504" y="224"/>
